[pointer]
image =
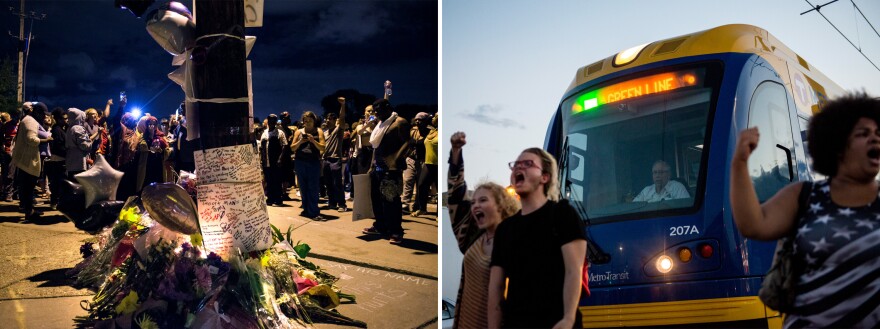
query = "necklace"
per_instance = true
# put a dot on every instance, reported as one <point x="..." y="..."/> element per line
<point x="489" y="238"/>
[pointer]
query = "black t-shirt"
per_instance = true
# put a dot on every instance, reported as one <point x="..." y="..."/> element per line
<point x="529" y="249"/>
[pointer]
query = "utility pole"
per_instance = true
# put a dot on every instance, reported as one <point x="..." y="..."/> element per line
<point x="228" y="167"/>
<point x="23" y="44"/>
<point x="220" y="72"/>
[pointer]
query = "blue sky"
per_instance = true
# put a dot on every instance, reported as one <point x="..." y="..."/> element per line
<point x="506" y="64"/>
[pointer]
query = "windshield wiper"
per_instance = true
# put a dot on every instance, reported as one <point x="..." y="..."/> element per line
<point x="594" y="252"/>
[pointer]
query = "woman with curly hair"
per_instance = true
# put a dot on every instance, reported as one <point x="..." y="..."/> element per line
<point x="474" y="222"/>
<point x="838" y="232"/>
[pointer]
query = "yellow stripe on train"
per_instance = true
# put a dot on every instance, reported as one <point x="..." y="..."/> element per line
<point x="706" y="311"/>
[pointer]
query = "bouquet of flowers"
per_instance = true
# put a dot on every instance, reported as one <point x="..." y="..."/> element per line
<point x="148" y="276"/>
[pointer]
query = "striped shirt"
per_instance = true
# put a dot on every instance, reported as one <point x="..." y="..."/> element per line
<point x="471" y="306"/>
<point x="470" y="310"/>
<point x="840" y="286"/>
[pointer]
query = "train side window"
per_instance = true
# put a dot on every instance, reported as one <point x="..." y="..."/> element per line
<point x="769" y="165"/>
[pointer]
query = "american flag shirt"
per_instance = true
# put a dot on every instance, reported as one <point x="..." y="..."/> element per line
<point x="840" y="286"/>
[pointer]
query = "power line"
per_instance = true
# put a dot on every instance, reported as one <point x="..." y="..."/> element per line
<point x="817" y="9"/>
<point x="866" y="19"/>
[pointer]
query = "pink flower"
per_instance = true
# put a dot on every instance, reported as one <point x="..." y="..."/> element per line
<point x="303" y="284"/>
<point x="122" y="252"/>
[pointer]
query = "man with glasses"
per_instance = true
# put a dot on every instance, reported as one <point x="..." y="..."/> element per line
<point x="663" y="188"/>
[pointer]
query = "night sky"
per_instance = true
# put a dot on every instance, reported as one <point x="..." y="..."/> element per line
<point x="85" y="52"/>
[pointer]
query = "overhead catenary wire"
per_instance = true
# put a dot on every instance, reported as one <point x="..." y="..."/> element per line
<point x="817" y="9"/>
<point x="866" y="18"/>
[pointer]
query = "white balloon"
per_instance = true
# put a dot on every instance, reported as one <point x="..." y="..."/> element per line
<point x="179" y="76"/>
<point x="178" y="60"/>
<point x="99" y="182"/>
<point x="249" y="41"/>
<point x="173" y="31"/>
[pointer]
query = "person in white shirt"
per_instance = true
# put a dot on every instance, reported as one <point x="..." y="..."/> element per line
<point x="663" y="188"/>
<point x="272" y="143"/>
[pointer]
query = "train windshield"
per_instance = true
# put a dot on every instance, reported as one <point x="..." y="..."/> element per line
<point x="636" y="147"/>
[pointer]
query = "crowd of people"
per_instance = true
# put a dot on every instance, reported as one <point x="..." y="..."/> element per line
<point x="41" y="149"/>
<point x="318" y="156"/>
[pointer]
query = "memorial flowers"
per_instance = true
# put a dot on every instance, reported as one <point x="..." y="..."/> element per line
<point x="148" y="276"/>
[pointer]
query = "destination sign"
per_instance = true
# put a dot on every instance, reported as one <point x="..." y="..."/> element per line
<point x="639" y="87"/>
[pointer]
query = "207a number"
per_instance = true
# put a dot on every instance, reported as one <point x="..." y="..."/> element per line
<point x="683" y="230"/>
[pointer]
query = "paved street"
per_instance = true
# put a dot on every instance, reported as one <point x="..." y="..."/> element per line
<point x="396" y="286"/>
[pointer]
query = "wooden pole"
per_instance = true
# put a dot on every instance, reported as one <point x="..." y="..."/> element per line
<point x="220" y="73"/>
<point x="21" y="45"/>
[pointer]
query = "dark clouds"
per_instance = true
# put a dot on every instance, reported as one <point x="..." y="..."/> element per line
<point x="88" y="51"/>
<point x="491" y="115"/>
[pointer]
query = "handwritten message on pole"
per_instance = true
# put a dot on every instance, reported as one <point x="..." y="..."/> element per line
<point x="232" y="209"/>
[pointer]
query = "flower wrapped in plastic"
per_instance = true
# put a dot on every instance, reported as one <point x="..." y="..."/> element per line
<point x="255" y="291"/>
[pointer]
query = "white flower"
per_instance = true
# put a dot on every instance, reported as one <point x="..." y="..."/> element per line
<point x="309" y="274"/>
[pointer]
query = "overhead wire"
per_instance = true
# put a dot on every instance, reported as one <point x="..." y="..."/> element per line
<point x="817" y="8"/>
<point x="866" y="18"/>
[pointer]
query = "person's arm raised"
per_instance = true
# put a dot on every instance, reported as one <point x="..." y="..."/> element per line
<point x="341" y="121"/>
<point x="768" y="221"/>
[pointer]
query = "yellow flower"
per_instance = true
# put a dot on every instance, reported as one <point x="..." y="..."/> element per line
<point x="325" y="290"/>
<point x="145" y="322"/>
<point x="264" y="260"/>
<point x="130" y="215"/>
<point x="195" y="239"/>
<point x="129" y="304"/>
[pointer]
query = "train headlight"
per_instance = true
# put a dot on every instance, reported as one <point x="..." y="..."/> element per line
<point x="628" y="56"/>
<point x="664" y="264"/>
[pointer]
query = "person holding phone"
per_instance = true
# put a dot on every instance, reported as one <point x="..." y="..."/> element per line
<point x="363" y="151"/>
<point x="308" y="144"/>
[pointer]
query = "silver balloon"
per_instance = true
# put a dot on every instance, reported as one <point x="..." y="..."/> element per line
<point x="99" y="182"/>
<point x="173" y="31"/>
<point x="171" y="206"/>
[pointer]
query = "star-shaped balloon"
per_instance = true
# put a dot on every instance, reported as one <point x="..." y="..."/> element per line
<point x="99" y="182"/>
